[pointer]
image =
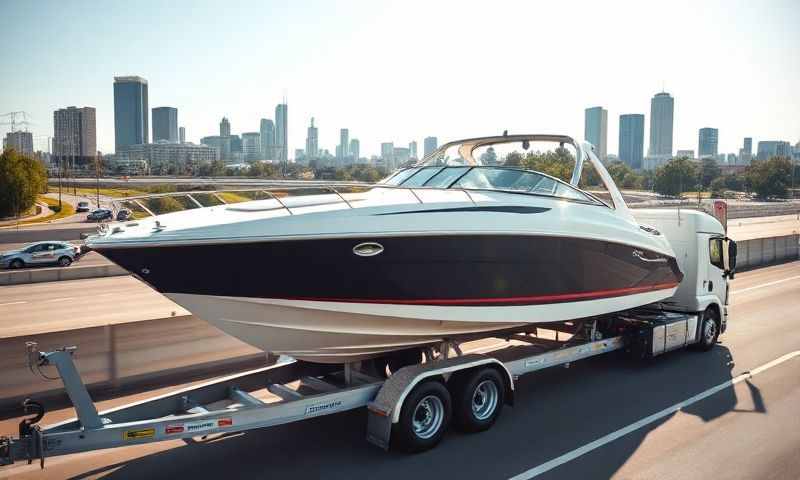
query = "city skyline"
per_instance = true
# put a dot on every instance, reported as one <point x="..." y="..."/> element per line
<point x="408" y="105"/>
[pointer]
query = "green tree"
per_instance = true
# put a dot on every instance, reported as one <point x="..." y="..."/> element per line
<point x="21" y="179"/>
<point x="770" y="178"/>
<point x="718" y="187"/>
<point x="677" y="176"/>
<point x="709" y="170"/>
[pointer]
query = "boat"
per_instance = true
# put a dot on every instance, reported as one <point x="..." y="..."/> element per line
<point x="464" y="243"/>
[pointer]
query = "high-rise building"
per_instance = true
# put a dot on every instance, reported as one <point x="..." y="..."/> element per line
<point x="746" y="152"/>
<point x="685" y="154"/>
<point x="282" y="132"/>
<point x="773" y="148"/>
<point x="251" y="146"/>
<point x="20" y="141"/>
<point x="430" y="144"/>
<point x="267" y="139"/>
<point x="224" y="127"/>
<point x="221" y="144"/>
<point x="748" y="145"/>
<point x="75" y="136"/>
<point x="662" y="111"/>
<point x="596" y="129"/>
<point x="168" y="158"/>
<point x="182" y="134"/>
<point x="131" y="125"/>
<point x="707" y="142"/>
<point x="401" y="156"/>
<point x="355" y="149"/>
<point x="165" y="124"/>
<point x="387" y="154"/>
<point x="344" y="143"/>
<point x="631" y="139"/>
<point x="312" y="141"/>
<point x="412" y="149"/>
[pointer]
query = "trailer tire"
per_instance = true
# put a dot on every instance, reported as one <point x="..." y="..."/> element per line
<point x="709" y="331"/>
<point x="424" y="418"/>
<point x="478" y="399"/>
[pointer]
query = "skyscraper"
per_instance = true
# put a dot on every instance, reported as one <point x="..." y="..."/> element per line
<point x="748" y="145"/>
<point x="312" y="141"/>
<point x="430" y="144"/>
<point x="344" y="143"/>
<point x="20" y="141"/>
<point x="773" y="148"/>
<point x="182" y="134"/>
<point x="281" y="132"/>
<point x="596" y="129"/>
<point x="708" y="139"/>
<point x="631" y="139"/>
<point x="267" y="139"/>
<point x="662" y="110"/>
<point x="75" y="135"/>
<point x="165" y="124"/>
<point x="412" y="149"/>
<point x="131" y="125"/>
<point x="387" y="154"/>
<point x="225" y="127"/>
<point x="251" y="146"/>
<point x="355" y="149"/>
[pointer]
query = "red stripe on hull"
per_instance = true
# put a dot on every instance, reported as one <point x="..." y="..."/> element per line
<point x="527" y="300"/>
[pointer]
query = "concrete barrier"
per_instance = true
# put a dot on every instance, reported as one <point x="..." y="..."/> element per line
<point x="73" y="272"/>
<point x="764" y="251"/>
<point x="174" y="349"/>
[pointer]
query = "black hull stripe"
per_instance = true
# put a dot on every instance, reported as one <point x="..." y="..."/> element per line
<point x="499" y="209"/>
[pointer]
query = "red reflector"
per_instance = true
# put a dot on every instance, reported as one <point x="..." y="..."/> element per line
<point x="173" y="429"/>
<point x="224" y="422"/>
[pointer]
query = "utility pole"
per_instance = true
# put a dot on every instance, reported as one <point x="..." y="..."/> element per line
<point x="97" y="176"/>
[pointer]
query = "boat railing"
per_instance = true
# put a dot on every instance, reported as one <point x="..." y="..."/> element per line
<point x="151" y="204"/>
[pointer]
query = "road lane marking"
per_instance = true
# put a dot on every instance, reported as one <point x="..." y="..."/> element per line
<point x="12" y="303"/>
<point x="768" y="284"/>
<point x="569" y="456"/>
<point x="59" y="299"/>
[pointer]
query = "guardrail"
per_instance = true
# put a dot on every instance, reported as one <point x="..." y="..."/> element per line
<point x="55" y="274"/>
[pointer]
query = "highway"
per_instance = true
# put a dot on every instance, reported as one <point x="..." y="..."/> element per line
<point x="601" y="418"/>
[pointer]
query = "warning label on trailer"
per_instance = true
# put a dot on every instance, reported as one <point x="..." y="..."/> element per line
<point x="139" y="434"/>
<point x="192" y="427"/>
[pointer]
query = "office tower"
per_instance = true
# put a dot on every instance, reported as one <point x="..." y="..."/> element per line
<point x="708" y="139"/>
<point x="20" y="141"/>
<point x="221" y="144"/>
<point x="182" y="134"/>
<point x="596" y="129"/>
<point x="662" y="110"/>
<point x="387" y="154"/>
<point x="267" y="139"/>
<point x="225" y="128"/>
<point x="75" y="136"/>
<point x="251" y="146"/>
<point x="430" y="144"/>
<point x="748" y="145"/>
<point x="412" y="149"/>
<point x="773" y="148"/>
<point x="131" y="125"/>
<point x="281" y="132"/>
<point x="168" y="158"/>
<point x="401" y="156"/>
<point x="344" y="143"/>
<point x="312" y="141"/>
<point x="355" y="149"/>
<point x="631" y="139"/>
<point x="165" y="124"/>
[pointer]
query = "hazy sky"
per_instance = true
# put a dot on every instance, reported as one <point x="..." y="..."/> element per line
<point x="400" y="71"/>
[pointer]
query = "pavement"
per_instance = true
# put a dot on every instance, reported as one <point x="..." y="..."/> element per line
<point x="763" y="227"/>
<point x="601" y="418"/>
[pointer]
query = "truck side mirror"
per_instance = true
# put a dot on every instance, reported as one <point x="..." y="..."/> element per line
<point x="730" y="258"/>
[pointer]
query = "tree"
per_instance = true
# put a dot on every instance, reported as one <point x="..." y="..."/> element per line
<point x="718" y="187"/>
<point x="677" y="176"/>
<point x="770" y="178"/>
<point x="21" y="179"/>
<point x="709" y="170"/>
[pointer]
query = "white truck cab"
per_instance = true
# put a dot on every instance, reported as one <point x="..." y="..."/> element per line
<point x="705" y="255"/>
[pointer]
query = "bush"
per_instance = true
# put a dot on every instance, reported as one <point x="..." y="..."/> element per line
<point x="677" y="176"/>
<point x="770" y="178"/>
<point x="21" y="179"/>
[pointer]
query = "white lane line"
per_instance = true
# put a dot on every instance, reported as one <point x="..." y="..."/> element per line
<point x="768" y="284"/>
<point x="12" y="303"/>
<point x="569" y="456"/>
<point x="59" y="299"/>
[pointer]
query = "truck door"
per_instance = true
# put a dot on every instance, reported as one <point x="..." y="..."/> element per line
<point x="714" y="281"/>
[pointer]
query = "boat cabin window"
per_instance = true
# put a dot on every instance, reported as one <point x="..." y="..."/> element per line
<point x="499" y="178"/>
<point x="423" y="175"/>
<point x="400" y="176"/>
<point x="446" y="177"/>
<point x="449" y="157"/>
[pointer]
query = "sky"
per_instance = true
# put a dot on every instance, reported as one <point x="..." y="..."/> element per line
<point x="401" y="71"/>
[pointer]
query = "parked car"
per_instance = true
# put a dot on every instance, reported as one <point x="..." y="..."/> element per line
<point x="124" y="215"/>
<point x="100" y="214"/>
<point x="82" y="207"/>
<point x="41" y="253"/>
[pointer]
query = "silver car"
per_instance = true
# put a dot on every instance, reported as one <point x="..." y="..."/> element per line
<point x="41" y="253"/>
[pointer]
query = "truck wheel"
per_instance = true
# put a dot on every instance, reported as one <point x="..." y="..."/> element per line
<point x="423" y="419"/>
<point x="709" y="331"/>
<point x="478" y="400"/>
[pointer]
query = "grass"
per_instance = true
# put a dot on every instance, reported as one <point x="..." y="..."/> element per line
<point x="108" y="192"/>
<point x="233" y="197"/>
<point x="52" y="203"/>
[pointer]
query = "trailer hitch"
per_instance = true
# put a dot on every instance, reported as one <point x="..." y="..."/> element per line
<point x="26" y="426"/>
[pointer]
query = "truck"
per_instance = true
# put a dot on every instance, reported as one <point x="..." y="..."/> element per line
<point x="411" y="407"/>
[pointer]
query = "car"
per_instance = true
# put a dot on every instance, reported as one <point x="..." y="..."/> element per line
<point x="124" y="215"/>
<point x="41" y="253"/>
<point x="82" y="207"/>
<point x="100" y="214"/>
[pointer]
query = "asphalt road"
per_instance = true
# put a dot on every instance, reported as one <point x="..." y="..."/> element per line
<point x="57" y="306"/>
<point x="750" y="430"/>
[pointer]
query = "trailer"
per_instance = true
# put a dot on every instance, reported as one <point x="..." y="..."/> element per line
<point x="408" y="409"/>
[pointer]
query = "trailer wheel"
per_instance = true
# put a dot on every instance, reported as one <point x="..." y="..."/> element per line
<point x="423" y="419"/>
<point x="478" y="400"/>
<point x="709" y="331"/>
